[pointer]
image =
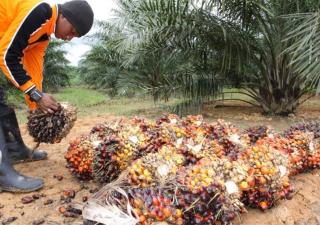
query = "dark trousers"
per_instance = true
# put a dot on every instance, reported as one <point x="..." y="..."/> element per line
<point x="4" y="108"/>
<point x="2" y="96"/>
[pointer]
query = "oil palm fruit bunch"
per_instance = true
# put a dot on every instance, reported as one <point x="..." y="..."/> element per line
<point x="303" y="154"/>
<point x="194" y="152"/>
<point x="100" y="131"/>
<point x="152" y="205"/>
<point x="267" y="179"/>
<point x="227" y="135"/>
<point x="81" y="151"/>
<point x="170" y="129"/>
<point x="314" y="157"/>
<point x="205" y="198"/>
<point x="51" y="128"/>
<point x="120" y="147"/>
<point x="313" y="127"/>
<point x="300" y="147"/>
<point x="79" y="158"/>
<point x="257" y="132"/>
<point x="156" y="169"/>
<point x="283" y="145"/>
<point x="168" y="118"/>
<point x="221" y="129"/>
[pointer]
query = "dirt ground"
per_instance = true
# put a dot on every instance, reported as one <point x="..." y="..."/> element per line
<point x="303" y="209"/>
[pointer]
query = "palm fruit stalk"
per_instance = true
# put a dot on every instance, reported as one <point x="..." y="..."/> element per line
<point x="267" y="180"/>
<point x="51" y="128"/>
<point x="156" y="169"/>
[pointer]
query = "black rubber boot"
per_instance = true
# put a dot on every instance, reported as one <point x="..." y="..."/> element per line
<point x="18" y="151"/>
<point x="10" y="179"/>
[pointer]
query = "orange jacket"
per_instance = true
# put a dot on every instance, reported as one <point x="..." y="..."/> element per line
<point x="25" y="29"/>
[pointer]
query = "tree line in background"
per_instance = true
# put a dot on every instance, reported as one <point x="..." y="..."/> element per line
<point x="197" y="49"/>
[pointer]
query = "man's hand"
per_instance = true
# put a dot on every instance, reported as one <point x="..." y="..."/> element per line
<point x="48" y="104"/>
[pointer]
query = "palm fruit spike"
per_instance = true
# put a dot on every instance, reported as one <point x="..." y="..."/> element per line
<point x="79" y="158"/>
<point x="156" y="168"/>
<point x="267" y="177"/>
<point x="155" y="205"/>
<point x="52" y="128"/>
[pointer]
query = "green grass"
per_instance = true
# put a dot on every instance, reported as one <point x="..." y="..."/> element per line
<point x="92" y="103"/>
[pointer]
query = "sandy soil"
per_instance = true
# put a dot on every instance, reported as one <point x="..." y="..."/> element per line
<point x="303" y="209"/>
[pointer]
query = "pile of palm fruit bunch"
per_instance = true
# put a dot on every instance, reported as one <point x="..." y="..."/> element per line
<point x="51" y="128"/>
<point x="183" y="171"/>
<point x="112" y="149"/>
<point x="160" y="189"/>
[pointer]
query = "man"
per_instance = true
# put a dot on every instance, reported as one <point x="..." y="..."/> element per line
<point x="25" y="29"/>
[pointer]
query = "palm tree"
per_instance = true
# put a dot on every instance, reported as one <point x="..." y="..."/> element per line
<point x="195" y="48"/>
<point x="56" y="72"/>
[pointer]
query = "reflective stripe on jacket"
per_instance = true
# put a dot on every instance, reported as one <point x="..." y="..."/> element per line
<point x="25" y="29"/>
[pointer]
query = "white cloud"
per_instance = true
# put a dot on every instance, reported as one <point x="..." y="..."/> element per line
<point x="77" y="47"/>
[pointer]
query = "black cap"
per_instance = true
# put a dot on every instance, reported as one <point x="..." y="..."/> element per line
<point x="79" y="14"/>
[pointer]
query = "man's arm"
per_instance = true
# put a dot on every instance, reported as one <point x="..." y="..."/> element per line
<point x="15" y="41"/>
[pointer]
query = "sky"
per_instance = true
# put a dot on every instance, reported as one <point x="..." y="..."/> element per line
<point x="77" y="47"/>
